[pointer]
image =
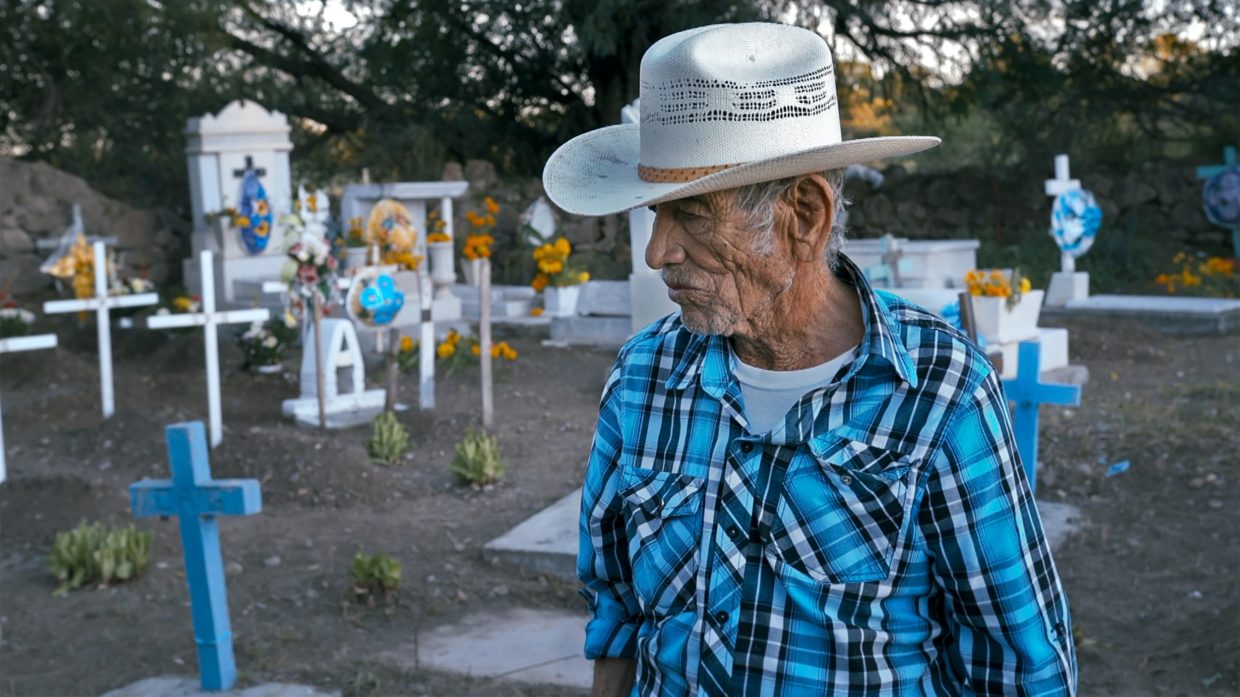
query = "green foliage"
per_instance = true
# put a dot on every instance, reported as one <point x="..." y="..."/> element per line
<point x="477" y="459"/>
<point x="13" y="326"/>
<point x="376" y="578"/>
<point x="95" y="554"/>
<point x="388" y="439"/>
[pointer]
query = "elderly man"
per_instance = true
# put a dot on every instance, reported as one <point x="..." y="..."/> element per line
<point x="798" y="486"/>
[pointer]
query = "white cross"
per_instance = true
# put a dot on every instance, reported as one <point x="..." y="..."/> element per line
<point x="1054" y="187"/>
<point x="210" y="320"/>
<point x="1061" y="182"/>
<point x="13" y="345"/>
<point x="102" y="304"/>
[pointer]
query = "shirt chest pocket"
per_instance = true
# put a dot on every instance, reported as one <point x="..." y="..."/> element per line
<point x="842" y="516"/>
<point x="663" y="523"/>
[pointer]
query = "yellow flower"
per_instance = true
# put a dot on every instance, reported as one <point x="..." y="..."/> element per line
<point x="1025" y="286"/>
<point x="240" y="221"/>
<point x="438" y="237"/>
<point x="452" y="338"/>
<point x="583" y="277"/>
<point x="182" y="303"/>
<point x="477" y="350"/>
<point x="563" y="247"/>
<point x="313" y="203"/>
<point x="492" y="206"/>
<point x="540" y="281"/>
<point x="262" y="229"/>
<point x="406" y="344"/>
<point x="445" y="350"/>
<point x="536" y="312"/>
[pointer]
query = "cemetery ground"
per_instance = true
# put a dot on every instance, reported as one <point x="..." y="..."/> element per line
<point x="1150" y="574"/>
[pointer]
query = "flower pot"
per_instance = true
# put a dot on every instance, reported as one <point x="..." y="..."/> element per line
<point x="442" y="272"/>
<point x="272" y="369"/>
<point x="561" y="301"/>
<point x="998" y="324"/>
<point x="355" y="257"/>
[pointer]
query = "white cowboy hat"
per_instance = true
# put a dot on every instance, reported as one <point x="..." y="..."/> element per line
<point x="721" y="106"/>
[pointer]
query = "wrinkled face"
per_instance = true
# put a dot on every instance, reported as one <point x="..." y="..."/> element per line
<point x="718" y="270"/>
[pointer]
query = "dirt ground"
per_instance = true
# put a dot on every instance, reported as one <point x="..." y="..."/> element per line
<point x="1151" y="577"/>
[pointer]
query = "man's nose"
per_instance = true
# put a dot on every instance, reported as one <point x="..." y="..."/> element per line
<point x="662" y="249"/>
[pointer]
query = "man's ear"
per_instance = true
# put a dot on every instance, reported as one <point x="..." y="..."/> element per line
<point x="807" y="216"/>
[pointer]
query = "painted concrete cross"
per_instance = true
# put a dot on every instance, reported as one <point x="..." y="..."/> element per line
<point x="13" y="345"/>
<point x="209" y="319"/>
<point x="1054" y="187"/>
<point x="1209" y="171"/>
<point x="102" y="304"/>
<point x="197" y="499"/>
<point x="1028" y="393"/>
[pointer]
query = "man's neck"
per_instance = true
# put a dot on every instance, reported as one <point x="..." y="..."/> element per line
<point x="815" y="320"/>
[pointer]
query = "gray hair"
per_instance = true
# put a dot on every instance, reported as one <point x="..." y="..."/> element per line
<point x="758" y="201"/>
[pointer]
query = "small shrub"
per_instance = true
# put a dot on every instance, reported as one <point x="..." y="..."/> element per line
<point x="477" y="459"/>
<point x="388" y="439"/>
<point x="376" y="578"/>
<point x="95" y="554"/>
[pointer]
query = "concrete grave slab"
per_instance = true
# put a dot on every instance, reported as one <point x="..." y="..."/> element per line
<point x="1059" y="521"/>
<point x="591" y="331"/>
<point x="605" y="299"/>
<point x="1167" y="314"/>
<point x="521" y="645"/>
<point x="545" y="542"/>
<point x="188" y="687"/>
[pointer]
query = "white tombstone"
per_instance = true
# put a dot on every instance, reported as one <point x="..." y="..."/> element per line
<point x="102" y="305"/>
<point x="1067" y="284"/>
<point x="210" y="320"/>
<point x="13" y="345"/>
<point x="922" y="263"/>
<point x="219" y="148"/>
<point x="648" y="298"/>
<point x="341" y="350"/>
<point x="360" y="198"/>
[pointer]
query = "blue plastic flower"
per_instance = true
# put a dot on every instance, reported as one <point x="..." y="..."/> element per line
<point x="382" y="299"/>
<point x="1221" y="198"/>
<point x="1075" y="219"/>
<point x="253" y="204"/>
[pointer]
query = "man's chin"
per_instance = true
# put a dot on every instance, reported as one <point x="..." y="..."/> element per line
<point x="698" y="323"/>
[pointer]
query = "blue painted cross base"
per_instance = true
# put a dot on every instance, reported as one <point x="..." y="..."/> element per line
<point x="1028" y="393"/>
<point x="196" y="498"/>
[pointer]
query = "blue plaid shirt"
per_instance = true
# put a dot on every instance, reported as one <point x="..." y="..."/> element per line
<point x="882" y="540"/>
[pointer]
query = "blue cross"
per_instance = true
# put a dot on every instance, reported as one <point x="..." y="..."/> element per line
<point x="1208" y="171"/>
<point x="1027" y="392"/>
<point x="197" y="499"/>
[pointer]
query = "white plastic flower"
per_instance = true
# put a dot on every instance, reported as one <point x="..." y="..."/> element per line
<point x="270" y="341"/>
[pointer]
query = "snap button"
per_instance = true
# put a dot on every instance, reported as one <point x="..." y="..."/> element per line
<point x="746" y="447"/>
<point x="846" y="479"/>
<point x="721" y="617"/>
<point x="733" y="531"/>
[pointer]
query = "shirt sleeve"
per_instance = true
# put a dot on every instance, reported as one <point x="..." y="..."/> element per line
<point x="1005" y="607"/>
<point x="602" y="557"/>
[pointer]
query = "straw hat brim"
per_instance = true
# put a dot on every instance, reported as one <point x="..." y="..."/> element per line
<point x="596" y="172"/>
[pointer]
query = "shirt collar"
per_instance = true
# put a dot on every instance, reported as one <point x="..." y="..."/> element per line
<point x="710" y="357"/>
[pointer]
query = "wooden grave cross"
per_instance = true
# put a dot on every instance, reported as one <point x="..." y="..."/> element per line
<point x="197" y="499"/>
<point x="1054" y="187"/>
<point x="1028" y="392"/>
<point x="249" y="165"/>
<point x="1208" y="171"/>
<point x="484" y="340"/>
<point x="102" y="304"/>
<point x="209" y="319"/>
<point x="13" y="345"/>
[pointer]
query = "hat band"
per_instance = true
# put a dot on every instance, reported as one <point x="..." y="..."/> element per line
<point x="673" y="175"/>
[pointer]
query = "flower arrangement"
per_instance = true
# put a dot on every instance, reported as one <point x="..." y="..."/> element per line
<point x="998" y="284"/>
<point x="355" y="237"/>
<point x="76" y="265"/>
<point x="310" y="269"/>
<point x="407" y="355"/>
<point x="14" y="321"/>
<point x="498" y="350"/>
<point x="478" y="243"/>
<point x="453" y="356"/>
<point x="553" y="266"/>
<point x="265" y="343"/>
<point x="437" y="228"/>
<point x="1212" y="276"/>
<point x="391" y="229"/>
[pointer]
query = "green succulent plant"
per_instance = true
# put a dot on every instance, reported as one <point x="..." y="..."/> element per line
<point x="388" y="439"/>
<point x="477" y="459"/>
<point x="91" y="553"/>
<point x="376" y="578"/>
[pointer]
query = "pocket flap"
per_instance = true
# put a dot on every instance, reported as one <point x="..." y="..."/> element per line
<point x="665" y="494"/>
<point x="863" y="458"/>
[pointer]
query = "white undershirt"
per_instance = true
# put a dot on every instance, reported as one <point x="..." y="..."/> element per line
<point x="769" y="394"/>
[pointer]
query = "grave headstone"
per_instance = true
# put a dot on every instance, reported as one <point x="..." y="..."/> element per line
<point x="1221" y="195"/>
<point x="923" y="264"/>
<point x="13" y="345"/>
<point x="1028" y="392"/>
<point x="230" y="153"/>
<point x="210" y="319"/>
<point x="358" y="199"/>
<point x="197" y="500"/>
<point x="339" y="347"/>
<point x="1073" y="236"/>
<point x="102" y="304"/>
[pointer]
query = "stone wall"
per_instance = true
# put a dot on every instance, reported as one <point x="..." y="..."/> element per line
<point x="36" y="203"/>
<point x="1158" y="198"/>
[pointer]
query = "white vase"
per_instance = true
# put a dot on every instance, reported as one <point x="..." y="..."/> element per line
<point x="272" y="369"/>
<point x="442" y="271"/>
<point x="561" y="301"/>
<point x="471" y="269"/>
<point x="999" y="324"/>
<point x="355" y="258"/>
